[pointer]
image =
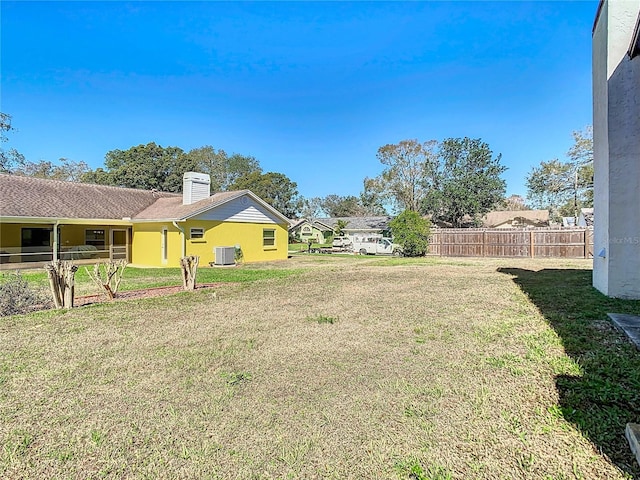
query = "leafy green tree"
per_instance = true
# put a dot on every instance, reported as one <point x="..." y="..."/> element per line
<point x="407" y="164"/>
<point x="9" y="159"/>
<point x="372" y="198"/>
<point x="550" y="186"/>
<point x="153" y="166"/>
<point x="341" y="206"/>
<point x="513" y="203"/>
<point x="411" y="231"/>
<point x="148" y="167"/>
<point x="563" y="187"/>
<point x="274" y="188"/>
<point x="339" y="227"/>
<point x="465" y="181"/>
<point x="310" y="208"/>
<point x="66" y="170"/>
<point x="581" y="155"/>
<point x="222" y="168"/>
<point x="581" y="152"/>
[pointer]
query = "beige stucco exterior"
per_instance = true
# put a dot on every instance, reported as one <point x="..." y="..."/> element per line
<point x="616" y="135"/>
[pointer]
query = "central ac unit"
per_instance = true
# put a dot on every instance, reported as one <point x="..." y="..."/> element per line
<point x="225" y="256"/>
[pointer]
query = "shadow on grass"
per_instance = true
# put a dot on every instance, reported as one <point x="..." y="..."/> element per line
<point x="606" y="396"/>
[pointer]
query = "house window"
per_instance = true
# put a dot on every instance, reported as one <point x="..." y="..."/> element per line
<point x="163" y="245"/>
<point x="36" y="237"/>
<point x="268" y="238"/>
<point x="306" y="230"/>
<point x="36" y="240"/>
<point x="197" y="233"/>
<point x="95" y="238"/>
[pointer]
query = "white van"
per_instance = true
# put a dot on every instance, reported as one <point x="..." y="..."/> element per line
<point x="376" y="246"/>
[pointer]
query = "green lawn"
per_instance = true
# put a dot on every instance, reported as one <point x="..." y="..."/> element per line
<point x="140" y="278"/>
<point x="328" y="367"/>
<point x="304" y="247"/>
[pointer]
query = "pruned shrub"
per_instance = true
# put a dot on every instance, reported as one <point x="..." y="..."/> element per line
<point x="107" y="276"/>
<point x="17" y="296"/>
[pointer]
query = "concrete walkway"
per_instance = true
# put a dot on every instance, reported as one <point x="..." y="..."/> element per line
<point x="629" y="324"/>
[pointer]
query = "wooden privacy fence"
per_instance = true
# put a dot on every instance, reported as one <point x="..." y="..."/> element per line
<point x="535" y="242"/>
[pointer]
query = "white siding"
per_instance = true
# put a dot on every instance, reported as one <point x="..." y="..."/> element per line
<point x="242" y="210"/>
<point x="195" y="187"/>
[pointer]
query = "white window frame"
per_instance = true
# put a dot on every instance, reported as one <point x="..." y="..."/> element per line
<point x="199" y="234"/>
<point x="269" y="241"/>
<point x="164" y="244"/>
<point x="93" y="230"/>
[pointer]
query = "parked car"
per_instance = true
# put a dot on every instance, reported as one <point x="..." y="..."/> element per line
<point x="341" y="242"/>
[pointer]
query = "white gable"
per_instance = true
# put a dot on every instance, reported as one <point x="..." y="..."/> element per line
<point x="243" y="209"/>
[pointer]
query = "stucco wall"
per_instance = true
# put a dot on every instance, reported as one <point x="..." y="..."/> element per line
<point x="146" y="245"/>
<point x="147" y="242"/>
<point x="10" y="236"/>
<point x="600" y="152"/>
<point x="616" y="99"/>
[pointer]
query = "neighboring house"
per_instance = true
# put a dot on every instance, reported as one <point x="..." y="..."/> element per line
<point x="584" y="220"/>
<point x="616" y="148"/>
<point x="360" y="228"/>
<point x="586" y="217"/>
<point x="41" y="220"/>
<point x="303" y="230"/>
<point x="516" y="219"/>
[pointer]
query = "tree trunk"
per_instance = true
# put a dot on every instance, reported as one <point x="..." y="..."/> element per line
<point x="189" y="267"/>
<point x="62" y="282"/>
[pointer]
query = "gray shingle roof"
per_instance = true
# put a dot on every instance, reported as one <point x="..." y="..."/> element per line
<point x="536" y="217"/>
<point x="359" y="223"/>
<point x="34" y="197"/>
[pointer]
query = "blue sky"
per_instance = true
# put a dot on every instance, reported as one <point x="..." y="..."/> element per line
<point x="312" y="90"/>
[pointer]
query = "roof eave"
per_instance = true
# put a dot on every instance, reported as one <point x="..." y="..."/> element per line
<point x="634" y="48"/>
<point x="70" y="221"/>
<point x="363" y="229"/>
<point x="598" y="12"/>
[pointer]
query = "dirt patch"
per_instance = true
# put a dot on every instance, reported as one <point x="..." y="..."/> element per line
<point x="138" y="294"/>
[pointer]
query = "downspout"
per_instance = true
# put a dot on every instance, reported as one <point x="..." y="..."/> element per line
<point x="184" y="239"/>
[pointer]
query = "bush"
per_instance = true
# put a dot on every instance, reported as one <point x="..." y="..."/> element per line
<point x="412" y="232"/>
<point x="16" y="296"/>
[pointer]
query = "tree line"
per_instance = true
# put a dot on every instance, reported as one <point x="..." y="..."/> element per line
<point x="565" y="186"/>
<point x="455" y="181"/>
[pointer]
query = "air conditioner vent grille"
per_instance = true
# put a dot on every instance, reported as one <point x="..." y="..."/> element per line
<point x="225" y="256"/>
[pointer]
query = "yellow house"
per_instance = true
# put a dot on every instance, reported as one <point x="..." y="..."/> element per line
<point x="44" y="220"/>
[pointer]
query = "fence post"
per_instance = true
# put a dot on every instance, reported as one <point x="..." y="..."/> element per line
<point x="586" y="246"/>
<point x="531" y="245"/>
<point x="484" y="243"/>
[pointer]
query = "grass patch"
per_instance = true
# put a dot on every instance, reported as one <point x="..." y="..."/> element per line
<point x="236" y="378"/>
<point x="599" y="380"/>
<point x="304" y="247"/>
<point x="322" y="319"/>
<point x="413" y="470"/>
<point x="435" y="370"/>
<point x="141" y="278"/>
